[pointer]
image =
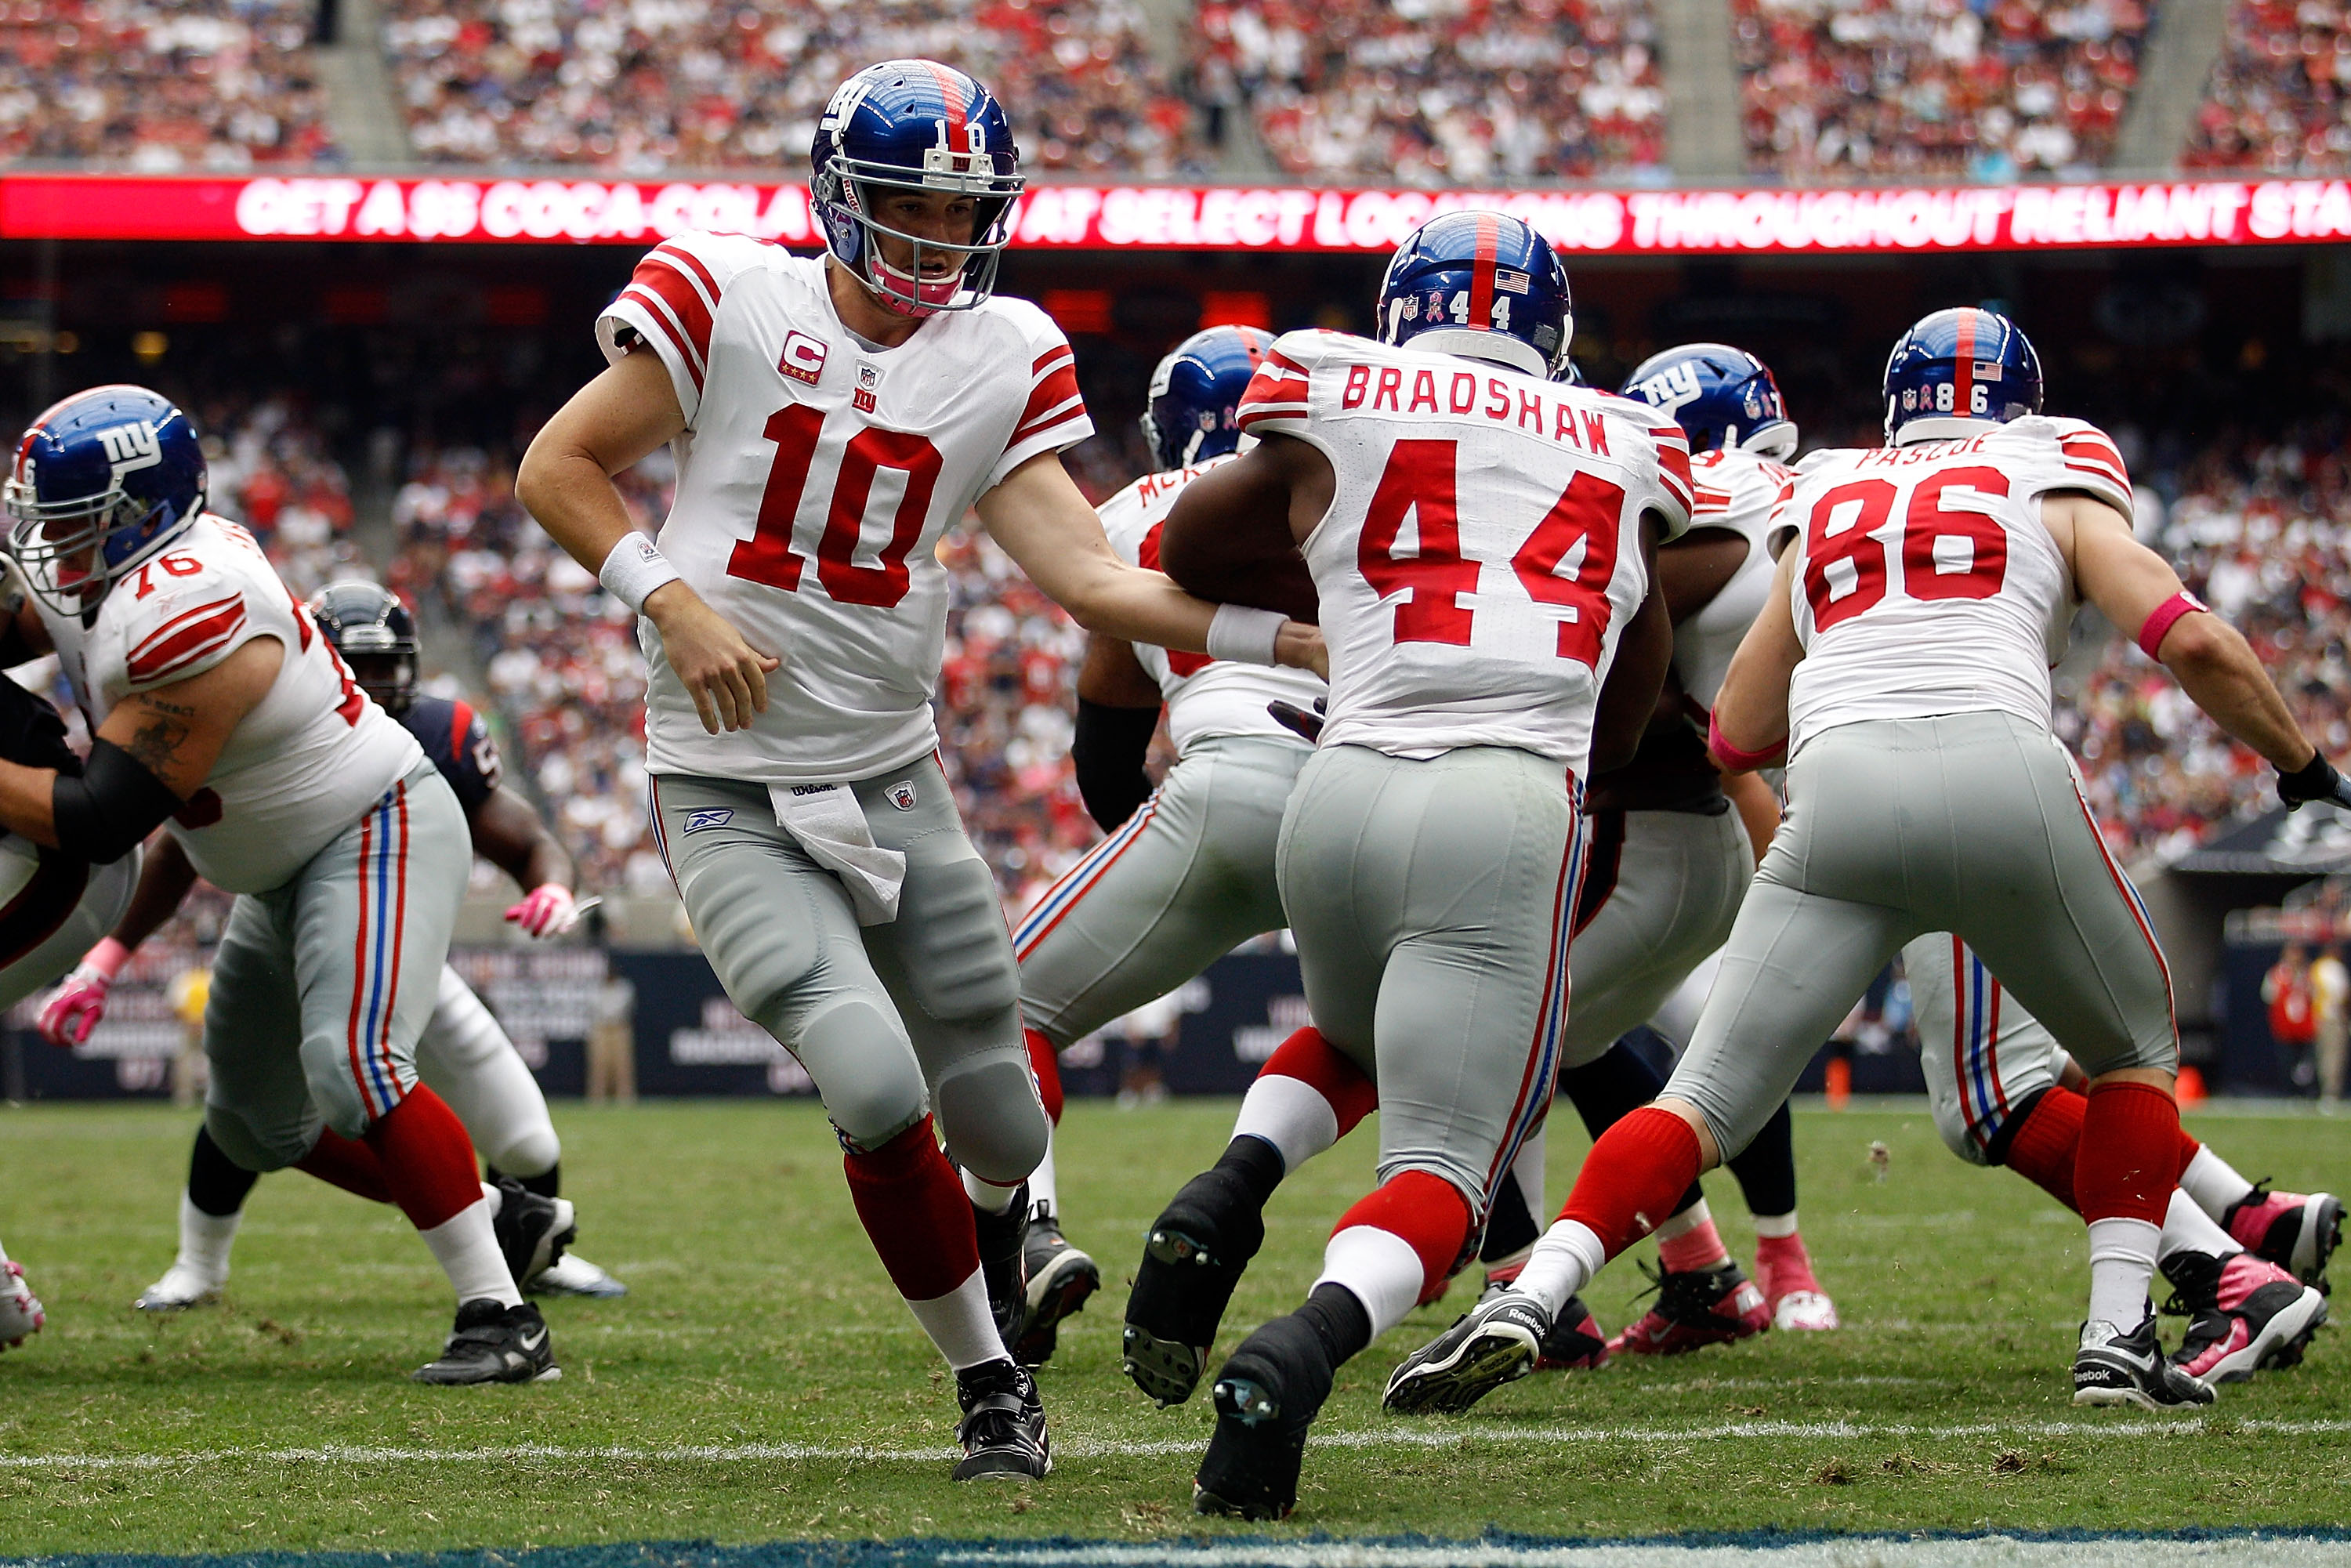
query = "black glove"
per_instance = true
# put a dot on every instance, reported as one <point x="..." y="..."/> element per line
<point x="1296" y="720"/>
<point x="2315" y="781"/>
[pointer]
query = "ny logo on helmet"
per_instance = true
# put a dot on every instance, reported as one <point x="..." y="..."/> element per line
<point x="1672" y="387"/>
<point x="131" y="447"/>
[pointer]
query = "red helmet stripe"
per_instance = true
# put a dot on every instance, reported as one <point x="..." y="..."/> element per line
<point x="1963" y="394"/>
<point x="1482" y="271"/>
<point x="952" y="91"/>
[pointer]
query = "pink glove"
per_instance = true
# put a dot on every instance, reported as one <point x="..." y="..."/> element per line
<point x="20" y="1310"/>
<point x="546" y="912"/>
<point x="75" y="1008"/>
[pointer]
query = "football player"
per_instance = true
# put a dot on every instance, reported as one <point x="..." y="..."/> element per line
<point x="1902" y="666"/>
<point x="463" y="1055"/>
<point x="831" y="418"/>
<point x="216" y="706"/>
<point x="1187" y="873"/>
<point x="1482" y="664"/>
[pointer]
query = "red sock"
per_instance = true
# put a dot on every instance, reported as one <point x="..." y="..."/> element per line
<point x="427" y="1159"/>
<point x="1634" y="1176"/>
<point x="352" y="1167"/>
<point x="2047" y="1143"/>
<point x="1046" y="1063"/>
<point x="1313" y="1062"/>
<point x="915" y="1210"/>
<point x="2129" y="1162"/>
<point x="1427" y="1212"/>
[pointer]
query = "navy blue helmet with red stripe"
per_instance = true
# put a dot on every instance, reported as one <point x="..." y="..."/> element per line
<point x="1196" y="391"/>
<point x="1723" y="398"/>
<point x="101" y="483"/>
<point x="1484" y="285"/>
<point x="920" y="125"/>
<point x="1956" y="371"/>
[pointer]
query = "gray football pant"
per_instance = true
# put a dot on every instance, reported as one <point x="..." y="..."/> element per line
<point x="892" y="1021"/>
<point x="1970" y="823"/>
<point x="1431" y="903"/>
<point x="321" y="987"/>
<point x="466" y="1057"/>
<point x="1181" y="883"/>
<point x="104" y="894"/>
<point x="1680" y="878"/>
<point x="1983" y="1055"/>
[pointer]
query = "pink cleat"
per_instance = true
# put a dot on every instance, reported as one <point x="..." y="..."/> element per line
<point x="2291" y="1229"/>
<point x="1694" y="1307"/>
<point x="1784" y="1272"/>
<point x="2247" y="1315"/>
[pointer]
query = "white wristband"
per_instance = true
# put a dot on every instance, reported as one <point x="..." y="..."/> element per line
<point x="1244" y="635"/>
<point x="633" y="569"/>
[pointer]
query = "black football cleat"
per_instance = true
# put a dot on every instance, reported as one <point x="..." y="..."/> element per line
<point x="1060" y="1278"/>
<point x="2112" y="1367"/>
<point x="1191" y="1262"/>
<point x="2295" y="1230"/>
<point x="1497" y="1341"/>
<point x="494" y="1343"/>
<point x="1266" y="1396"/>
<point x="1003" y="1428"/>
<point x="2246" y="1315"/>
<point x="532" y="1231"/>
<point x="1002" y="1239"/>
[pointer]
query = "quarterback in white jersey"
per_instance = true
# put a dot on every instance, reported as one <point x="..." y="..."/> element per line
<point x="1186" y="872"/>
<point x="1480" y="540"/>
<point x="831" y="419"/>
<point x="1903" y="662"/>
<point x="215" y="702"/>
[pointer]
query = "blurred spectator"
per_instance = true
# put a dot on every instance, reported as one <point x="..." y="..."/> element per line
<point x="2286" y="991"/>
<point x="2280" y="97"/>
<point x="2330" y="1017"/>
<point x="641" y="87"/>
<point x="1848" y="89"/>
<point x="271" y="471"/>
<point x="158" y="86"/>
<point x="1443" y="92"/>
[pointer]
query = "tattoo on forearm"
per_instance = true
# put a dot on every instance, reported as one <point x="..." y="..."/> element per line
<point x="156" y="743"/>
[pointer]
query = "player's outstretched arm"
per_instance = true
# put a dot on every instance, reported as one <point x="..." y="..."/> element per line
<point x="70" y="1012"/>
<point x="153" y="752"/>
<point x="512" y="837"/>
<point x="2216" y="667"/>
<point x="1042" y="519"/>
<point x="566" y="483"/>
<point x="1751" y="711"/>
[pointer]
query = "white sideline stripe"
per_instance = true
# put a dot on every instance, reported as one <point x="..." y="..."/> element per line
<point x="1398" y="1437"/>
<point x="1857" y="1551"/>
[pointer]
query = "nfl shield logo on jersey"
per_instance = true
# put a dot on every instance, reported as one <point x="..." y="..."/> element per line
<point x="902" y="794"/>
<point x="869" y="381"/>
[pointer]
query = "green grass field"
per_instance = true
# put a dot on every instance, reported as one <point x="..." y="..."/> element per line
<point x="762" y="1382"/>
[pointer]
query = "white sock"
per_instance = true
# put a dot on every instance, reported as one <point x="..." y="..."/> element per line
<point x="1562" y="1263"/>
<point x="204" y="1240"/>
<point x="1772" y="1226"/>
<point x="2210" y="1181"/>
<point x="2121" y="1261"/>
<point x="468" y="1250"/>
<point x="987" y="1194"/>
<point x="1289" y="1114"/>
<point x="1379" y="1268"/>
<point x="1044" y="1189"/>
<point x="961" y="1325"/>
<point x="2188" y="1229"/>
<point x="1687" y="1220"/>
<point x="494" y="1199"/>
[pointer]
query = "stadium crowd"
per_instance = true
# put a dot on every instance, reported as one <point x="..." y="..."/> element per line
<point x="2279" y="97"/>
<point x="158" y="87"/>
<point x="639" y="86"/>
<point x="1846" y="89"/>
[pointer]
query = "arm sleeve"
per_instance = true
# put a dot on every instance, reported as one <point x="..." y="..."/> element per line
<point x="1275" y="399"/>
<point x="671" y="305"/>
<point x="1108" y="751"/>
<point x="1054" y="417"/>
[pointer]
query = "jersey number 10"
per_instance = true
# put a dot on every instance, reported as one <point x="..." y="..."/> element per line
<point x="767" y="557"/>
<point x="1419" y="479"/>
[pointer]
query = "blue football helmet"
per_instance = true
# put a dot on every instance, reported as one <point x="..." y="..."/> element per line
<point x="916" y="124"/>
<point x="1723" y="398"/>
<point x="1480" y="284"/>
<point x="102" y="483"/>
<point x="1956" y="371"/>
<point x="1195" y="392"/>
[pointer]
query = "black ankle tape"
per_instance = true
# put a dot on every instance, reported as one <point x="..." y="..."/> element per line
<point x="216" y="1183"/>
<point x="1258" y="1163"/>
<point x="1339" y="1321"/>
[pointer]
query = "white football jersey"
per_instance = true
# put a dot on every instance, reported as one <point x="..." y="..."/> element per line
<point x="1927" y="584"/>
<point x="815" y="476"/>
<point x="1735" y="492"/>
<point x="1483" y="549"/>
<point x="1205" y="697"/>
<point x="304" y="765"/>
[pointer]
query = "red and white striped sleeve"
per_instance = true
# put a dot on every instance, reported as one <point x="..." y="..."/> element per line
<point x="671" y="306"/>
<point x="1053" y="417"/>
<point x="2090" y="461"/>
<point x="1276" y="398"/>
<point x="183" y="620"/>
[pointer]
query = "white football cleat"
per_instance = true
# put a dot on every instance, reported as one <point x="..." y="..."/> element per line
<point x="179" y="1289"/>
<point x="20" y="1311"/>
<point x="572" y="1275"/>
<point x="1800" y="1312"/>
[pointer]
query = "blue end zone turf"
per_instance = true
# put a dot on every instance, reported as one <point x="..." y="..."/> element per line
<point x="1773" y="1549"/>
